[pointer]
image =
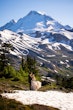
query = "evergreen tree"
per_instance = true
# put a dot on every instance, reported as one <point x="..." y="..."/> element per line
<point x="4" y="52"/>
<point x="30" y="65"/>
<point x="22" y="63"/>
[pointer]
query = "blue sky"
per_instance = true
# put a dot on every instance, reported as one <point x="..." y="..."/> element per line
<point x="60" y="10"/>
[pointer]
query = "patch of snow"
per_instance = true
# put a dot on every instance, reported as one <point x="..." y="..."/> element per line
<point x="50" y="79"/>
<point x="20" y="43"/>
<point x="13" y="53"/>
<point x="67" y="61"/>
<point x="56" y="46"/>
<point x="57" y="99"/>
<point x="55" y="71"/>
<point x="67" y="66"/>
<point x="68" y="47"/>
<point x="45" y="41"/>
<point x="68" y="34"/>
<point x="39" y="24"/>
<point x="43" y="59"/>
<point x="61" y="62"/>
<point x="64" y="56"/>
<point x="51" y="55"/>
<point x="50" y="47"/>
<point x="42" y="13"/>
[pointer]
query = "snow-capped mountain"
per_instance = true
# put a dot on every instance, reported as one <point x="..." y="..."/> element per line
<point x="41" y="36"/>
<point x="38" y="24"/>
<point x="35" y="21"/>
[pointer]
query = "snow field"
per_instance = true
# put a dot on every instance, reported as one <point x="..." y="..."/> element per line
<point x="57" y="99"/>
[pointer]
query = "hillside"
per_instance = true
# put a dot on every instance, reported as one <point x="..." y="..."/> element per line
<point x="54" y="55"/>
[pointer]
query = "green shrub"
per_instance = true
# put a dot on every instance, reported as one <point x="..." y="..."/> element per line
<point x="9" y="72"/>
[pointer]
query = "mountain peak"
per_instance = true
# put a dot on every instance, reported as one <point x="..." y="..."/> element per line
<point x="39" y="13"/>
<point x="34" y="12"/>
<point x="33" y="21"/>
